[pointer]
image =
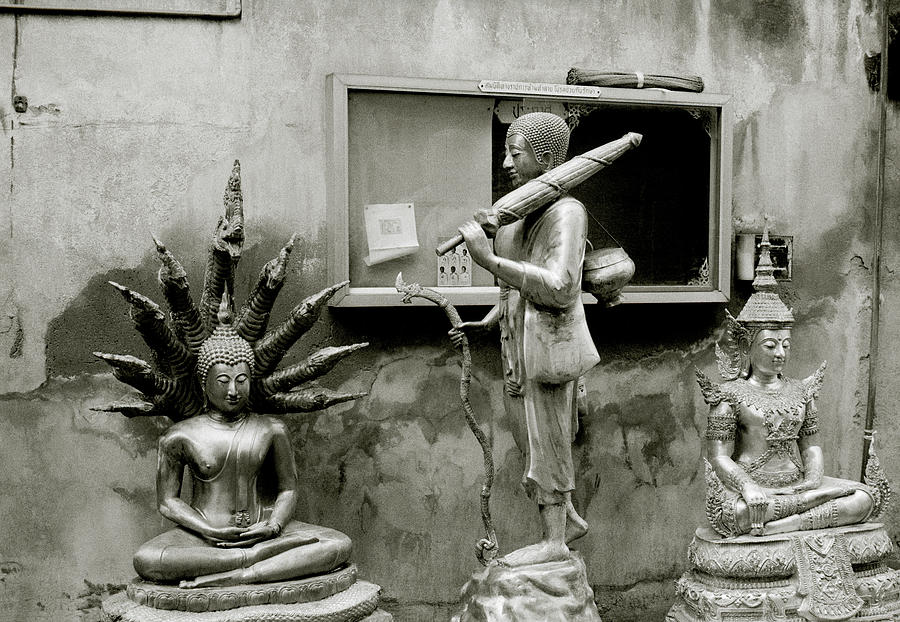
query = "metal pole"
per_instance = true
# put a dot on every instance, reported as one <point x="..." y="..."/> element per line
<point x="878" y="235"/>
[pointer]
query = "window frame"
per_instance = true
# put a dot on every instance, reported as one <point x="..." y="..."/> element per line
<point x="339" y="87"/>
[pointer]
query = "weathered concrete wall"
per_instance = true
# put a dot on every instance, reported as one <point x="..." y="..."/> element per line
<point x="132" y="129"/>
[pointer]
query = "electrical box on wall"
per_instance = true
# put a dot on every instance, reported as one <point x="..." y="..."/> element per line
<point x="781" y="251"/>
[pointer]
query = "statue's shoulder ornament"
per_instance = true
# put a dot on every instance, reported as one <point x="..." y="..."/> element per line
<point x="813" y="384"/>
<point x="713" y="393"/>
<point x="721" y="423"/>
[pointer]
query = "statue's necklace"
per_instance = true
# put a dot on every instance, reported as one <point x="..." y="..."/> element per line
<point x="777" y="404"/>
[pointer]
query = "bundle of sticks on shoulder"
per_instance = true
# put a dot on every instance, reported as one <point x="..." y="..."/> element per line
<point x="603" y="282"/>
<point x="548" y="187"/>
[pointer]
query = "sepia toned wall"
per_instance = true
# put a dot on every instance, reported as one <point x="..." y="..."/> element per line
<point x="132" y="128"/>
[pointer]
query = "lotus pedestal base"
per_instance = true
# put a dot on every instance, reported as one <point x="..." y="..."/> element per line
<point x="824" y="575"/>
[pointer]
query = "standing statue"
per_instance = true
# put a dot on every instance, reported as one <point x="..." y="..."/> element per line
<point x="775" y="515"/>
<point x="545" y="347"/>
<point x="215" y="370"/>
<point x="545" y="342"/>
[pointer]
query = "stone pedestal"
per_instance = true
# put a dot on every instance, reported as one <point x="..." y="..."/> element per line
<point x="551" y="592"/>
<point x="334" y="597"/>
<point x="824" y="575"/>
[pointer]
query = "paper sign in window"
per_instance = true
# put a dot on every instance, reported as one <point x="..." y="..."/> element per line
<point x="391" y="231"/>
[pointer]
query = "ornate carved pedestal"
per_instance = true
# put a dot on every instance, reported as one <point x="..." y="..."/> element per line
<point x="823" y="575"/>
<point x="334" y="597"/>
<point x="551" y="592"/>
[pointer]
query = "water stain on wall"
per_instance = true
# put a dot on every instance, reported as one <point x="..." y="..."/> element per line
<point x="648" y="429"/>
<point x="775" y="22"/>
<point x="97" y="319"/>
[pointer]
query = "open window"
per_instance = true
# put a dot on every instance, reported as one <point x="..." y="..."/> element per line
<point x="438" y="145"/>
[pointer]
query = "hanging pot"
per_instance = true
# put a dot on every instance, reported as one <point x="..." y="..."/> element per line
<point x="605" y="272"/>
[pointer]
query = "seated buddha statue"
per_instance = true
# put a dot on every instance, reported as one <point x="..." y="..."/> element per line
<point x="763" y="458"/>
<point x="228" y="532"/>
<point x="214" y="371"/>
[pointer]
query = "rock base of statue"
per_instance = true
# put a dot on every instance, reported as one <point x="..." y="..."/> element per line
<point x="549" y="592"/>
<point x="824" y="575"/>
<point x="334" y="597"/>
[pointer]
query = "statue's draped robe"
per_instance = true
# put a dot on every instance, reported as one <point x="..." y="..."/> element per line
<point x="545" y="343"/>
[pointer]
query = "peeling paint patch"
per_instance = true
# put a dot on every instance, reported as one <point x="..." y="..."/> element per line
<point x="15" y="329"/>
<point x="94" y="594"/>
<point x="858" y="262"/>
<point x="15" y="351"/>
<point x="53" y="109"/>
<point x="97" y="319"/>
<point x="648" y="429"/>
<point x="72" y="398"/>
<point x="9" y="568"/>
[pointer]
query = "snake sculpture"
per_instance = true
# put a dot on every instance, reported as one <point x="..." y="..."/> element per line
<point x="487" y="548"/>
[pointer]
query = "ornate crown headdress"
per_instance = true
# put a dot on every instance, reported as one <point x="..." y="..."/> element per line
<point x="764" y="310"/>
<point x="204" y="334"/>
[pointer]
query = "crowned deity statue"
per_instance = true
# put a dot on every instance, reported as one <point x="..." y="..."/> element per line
<point x="784" y="542"/>
<point x="226" y="475"/>
<point x="763" y="458"/>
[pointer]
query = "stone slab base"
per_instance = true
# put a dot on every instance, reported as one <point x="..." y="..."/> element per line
<point x="551" y="592"/>
<point x="197" y="600"/>
<point x="825" y="575"/>
<point x="354" y="604"/>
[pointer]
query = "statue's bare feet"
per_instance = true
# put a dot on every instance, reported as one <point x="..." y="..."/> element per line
<point x="219" y="579"/>
<point x="540" y="553"/>
<point x="822" y="494"/>
<point x="782" y="525"/>
<point x="575" y="525"/>
<point x="847" y="490"/>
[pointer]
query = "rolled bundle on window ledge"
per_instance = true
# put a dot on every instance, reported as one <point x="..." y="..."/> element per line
<point x="633" y="80"/>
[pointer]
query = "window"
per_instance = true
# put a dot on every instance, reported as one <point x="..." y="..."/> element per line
<point x="439" y="144"/>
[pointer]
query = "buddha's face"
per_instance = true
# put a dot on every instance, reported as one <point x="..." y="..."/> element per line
<point x="228" y="387"/>
<point x="521" y="163"/>
<point x="769" y="351"/>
